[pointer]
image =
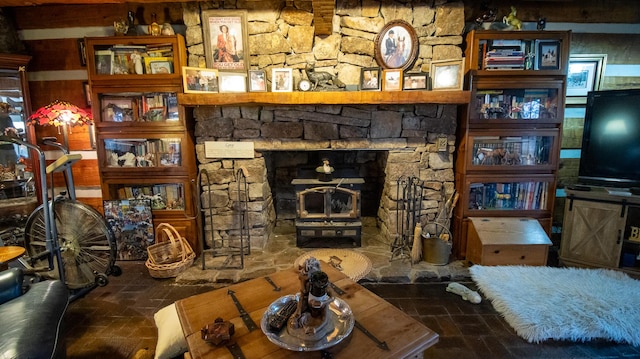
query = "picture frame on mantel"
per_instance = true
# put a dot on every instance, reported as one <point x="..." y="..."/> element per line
<point x="396" y="46"/>
<point x="226" y="40"/>
<point x="447" y="75"/>
<point x="585" y="74"/>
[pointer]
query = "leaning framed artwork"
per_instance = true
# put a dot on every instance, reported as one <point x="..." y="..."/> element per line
<point x="584" y="75"/>
<point x="226" y="40"/>
<point x="281" y="80"/>
<point x="199" y="80"/>
<point x="392" y="80"/>
<point x="396" y="45"/>
<point x="132" y="225"/>
<point x="415" y="81"/>
<point x="370" y="79"/>
<point x="447" y="74"/>
<point x="548" y="55"/>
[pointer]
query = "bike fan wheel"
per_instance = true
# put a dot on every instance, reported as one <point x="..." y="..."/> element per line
<point x="87" y="245"/>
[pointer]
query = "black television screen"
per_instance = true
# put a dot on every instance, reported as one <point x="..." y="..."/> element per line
<point x="610" y="155"/>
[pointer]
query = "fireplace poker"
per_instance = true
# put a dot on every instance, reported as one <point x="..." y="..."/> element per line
<point x="399" y="245"/>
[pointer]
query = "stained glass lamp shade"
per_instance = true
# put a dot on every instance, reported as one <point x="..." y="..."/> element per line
<point x="59" y="113"/>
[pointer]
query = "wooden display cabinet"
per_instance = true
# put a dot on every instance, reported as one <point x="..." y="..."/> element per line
<point x="144" y="142"/>
<point x="601" y="230"/>
<point x="509" y="134"/>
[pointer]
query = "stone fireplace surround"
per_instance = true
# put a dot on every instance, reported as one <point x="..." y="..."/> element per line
<point x="403" y="137"/>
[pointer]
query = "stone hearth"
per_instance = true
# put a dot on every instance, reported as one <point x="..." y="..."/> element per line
<point x="403" y="139"/>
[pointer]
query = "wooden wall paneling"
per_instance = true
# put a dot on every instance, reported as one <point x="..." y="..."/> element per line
<point x="85" y="174"/>
<point x="54" y="54"/>
<point x="94" y="15"/>
<point x="93" y="202"/>
<point x="585" y="11"/>
<point x="44" y="92"/>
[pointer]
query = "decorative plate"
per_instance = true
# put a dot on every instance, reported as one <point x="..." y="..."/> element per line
<point x="341" y="317"/>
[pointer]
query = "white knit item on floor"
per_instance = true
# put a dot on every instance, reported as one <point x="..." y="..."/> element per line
<point x="575" y="304"/>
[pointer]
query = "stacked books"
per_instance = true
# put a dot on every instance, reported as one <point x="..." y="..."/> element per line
<point x="504" y="59"/>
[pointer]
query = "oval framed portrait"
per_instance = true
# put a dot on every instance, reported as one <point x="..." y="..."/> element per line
<point x="396" y="46"/>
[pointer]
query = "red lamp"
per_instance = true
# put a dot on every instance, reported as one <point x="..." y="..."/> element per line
<point x="61" y="114"/>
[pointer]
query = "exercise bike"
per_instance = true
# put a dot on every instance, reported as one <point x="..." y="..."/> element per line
<point x="66" y="239"/>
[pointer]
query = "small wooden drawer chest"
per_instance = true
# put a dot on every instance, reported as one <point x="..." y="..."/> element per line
<point x="507" y="241"/>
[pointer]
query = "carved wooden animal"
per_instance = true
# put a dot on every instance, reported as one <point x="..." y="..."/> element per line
<point x="321" y="78"/>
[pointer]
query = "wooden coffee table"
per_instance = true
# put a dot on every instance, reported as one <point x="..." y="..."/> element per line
<point x="405" y="336"/>
<point x="9" y="253"/>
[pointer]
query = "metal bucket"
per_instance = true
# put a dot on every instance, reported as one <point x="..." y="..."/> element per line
<point x="436" y="251"/>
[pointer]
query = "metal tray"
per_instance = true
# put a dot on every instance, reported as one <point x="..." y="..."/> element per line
<point x="341" y="317"/>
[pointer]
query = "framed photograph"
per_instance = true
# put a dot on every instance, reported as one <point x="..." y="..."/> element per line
<point x="585" y="74"/>
<point x="132" y="224"/>
<point x="415" y="81"/>
<point x="226" y="41"/>
<point x="370" y="79"/>
<point x="104" y="59"/>
<point x="396" y="46"/>
<point x="548" y="55"/>
<point x="161" y="67"/>
<point x="257" y="81"/>
<point x="392" y="80"/>
<point x="281" y="80"/>
<point x="232" y="81"/>
<point x="87" y="93"/>
<point x="447" y="74"/>
<point x="199" y="80"/>
<point x="82" y="51"/>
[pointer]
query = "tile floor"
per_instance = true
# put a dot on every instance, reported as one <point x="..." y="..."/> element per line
<point x="116" y="321"/>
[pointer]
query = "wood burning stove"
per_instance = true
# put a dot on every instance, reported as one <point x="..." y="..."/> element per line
<point x="328" y="212"/>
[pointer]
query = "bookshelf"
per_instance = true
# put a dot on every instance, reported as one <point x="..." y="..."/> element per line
<point x="509" y="133"/>
<point x="144" y="141"/>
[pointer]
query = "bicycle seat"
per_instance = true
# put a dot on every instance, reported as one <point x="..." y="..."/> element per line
<point x="63" y="162"/>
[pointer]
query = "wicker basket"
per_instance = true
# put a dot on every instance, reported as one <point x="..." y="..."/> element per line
<point x="171" y="255"/>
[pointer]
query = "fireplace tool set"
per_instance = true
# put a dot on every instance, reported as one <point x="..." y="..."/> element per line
<point x="409" y="195"/>
<point x="234" y="248"/>
<point x="410" y="227"/>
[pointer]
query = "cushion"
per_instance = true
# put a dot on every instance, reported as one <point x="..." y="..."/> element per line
<point x="171" y="341"/>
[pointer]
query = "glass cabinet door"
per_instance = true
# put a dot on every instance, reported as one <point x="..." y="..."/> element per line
<point x="139" y="107"/>
<point x="533" y="194"/>
<point x="142" y="152"/>
<point x="513" y="150"/>
<point x="16" y="164"/>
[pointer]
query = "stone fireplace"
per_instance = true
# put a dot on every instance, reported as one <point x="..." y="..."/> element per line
<point x="380" y="142"/>
<point x="383" y="141"/>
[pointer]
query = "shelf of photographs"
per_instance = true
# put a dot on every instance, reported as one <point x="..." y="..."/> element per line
<point x="142" y="152"/>
<point x="134" y="59"/>
<point x="139" y="107"/>
<point x="516" y="195"/>
<point x="533" y="151"/>
<point x="165" y="196"/>
<point x="516" y="104"/>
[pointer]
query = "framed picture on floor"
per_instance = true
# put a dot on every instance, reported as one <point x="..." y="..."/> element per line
<point x="132" y="225"/>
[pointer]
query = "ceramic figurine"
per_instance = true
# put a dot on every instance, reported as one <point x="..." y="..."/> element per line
<point x="512" y="20"/>
<point x="466" y="293"/>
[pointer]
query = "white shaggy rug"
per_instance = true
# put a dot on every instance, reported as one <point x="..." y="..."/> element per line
<point x="575" y="304"/>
